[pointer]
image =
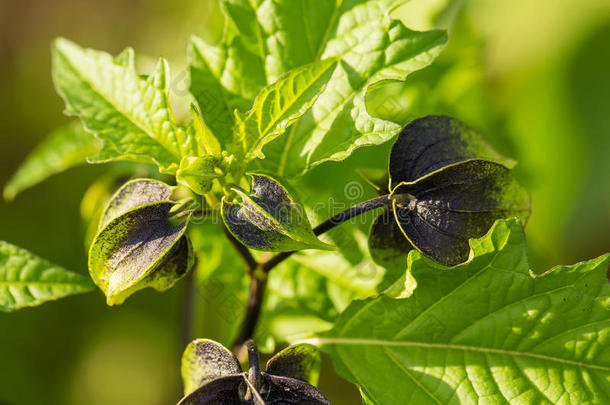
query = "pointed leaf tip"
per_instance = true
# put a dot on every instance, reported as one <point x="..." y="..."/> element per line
<point x="26" y="280"/>
<point x="139" y="124"/>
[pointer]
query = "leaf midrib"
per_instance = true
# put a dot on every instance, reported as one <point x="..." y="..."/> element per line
<point x="366" y="83"/>
<point x="447" y="346"/>
<point x="218" y="77"/>
<point x="41" y="283"/>
<point x="283" y="111"/>
<point x="318" y="55"/>
<point x="405" y="370"/>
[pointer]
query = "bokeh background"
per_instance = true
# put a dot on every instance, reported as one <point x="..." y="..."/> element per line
<point x="532" y="76"/>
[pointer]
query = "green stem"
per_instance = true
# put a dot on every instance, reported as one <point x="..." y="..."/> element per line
<point x="253" y="366"/>
<point x="253" y="310"/>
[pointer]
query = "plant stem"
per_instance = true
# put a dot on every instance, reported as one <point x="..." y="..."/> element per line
<point x="253" y="367"/>
<point x="258" y="283"/>
<point x="333" y="221"/>
<point x="253" y="311"/>
<point x="243" y="251"/>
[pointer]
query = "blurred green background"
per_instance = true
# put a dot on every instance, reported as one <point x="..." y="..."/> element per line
<point x="532" y="76"/>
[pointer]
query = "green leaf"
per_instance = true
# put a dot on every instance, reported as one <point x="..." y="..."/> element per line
<point x="201" y="132"/>
<point x="130" y="114"/>
<point x="378" y="179"/>
<point x="298" y="361"/>
<point x="263" y="40"/>
<point x="133" y="194"/>
<point x="224" y="78"/>
<point x="279" y="105"/>
<point x="198" y="173"/>
<point x="66" y="147"/>
<point x="269" y="219"/>
<point x="27" y="280"/>
<point x="203" y="361"/>
<point x="299" y="303"/>
<point x="487" y="330"/>
<point x="137" y="249"/>
<point x="373" y="49"/>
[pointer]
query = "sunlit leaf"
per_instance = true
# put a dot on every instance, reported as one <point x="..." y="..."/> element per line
<point x="223" y="79"/>
<point x="373" y="48"/>
<point x="130" y="114"/>
<point x="270" y="219"/>
<point x="66" y="147"/>
<point x="486" y="330"/>
<point x="27" y="280"/>
<point x="199" y="130"/>
<point x="279" y="105"/>
<point x="263" y="40"/>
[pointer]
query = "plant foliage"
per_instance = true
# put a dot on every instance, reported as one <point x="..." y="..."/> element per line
<point x="487" y="330"/>
<point x="440" y="306"/>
